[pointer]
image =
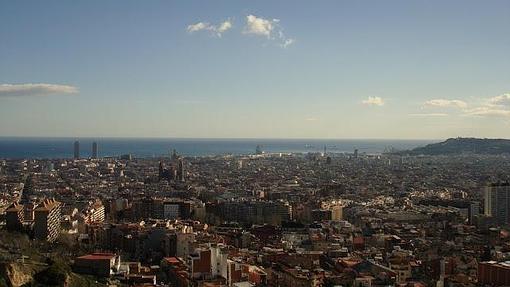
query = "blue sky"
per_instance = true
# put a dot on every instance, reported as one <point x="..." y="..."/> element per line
<point x="350" y="69"/>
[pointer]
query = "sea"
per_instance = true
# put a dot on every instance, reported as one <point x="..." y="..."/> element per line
<point x="52" y="148"/>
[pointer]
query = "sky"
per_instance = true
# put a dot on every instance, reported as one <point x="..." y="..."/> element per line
<point x="255" y="69"/>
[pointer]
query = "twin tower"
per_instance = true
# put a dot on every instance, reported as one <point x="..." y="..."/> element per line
<point x="77" y="150"/>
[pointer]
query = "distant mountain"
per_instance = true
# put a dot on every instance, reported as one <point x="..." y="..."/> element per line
<point x="454" y="146"/>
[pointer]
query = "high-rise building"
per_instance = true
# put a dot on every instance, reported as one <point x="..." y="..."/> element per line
<point x="94" y="150"/>
<point x="492" y="273"/>
<point x="96" y="213"/>
<point x="14" y="217"/>
<point x="47" y="220"/>
<point x="171" y="210"/>
<point x="76" y="150"/>
<point x="474" y="210"/>
<point x="180" y="170"/>
<point x="497" y="202"/>
<point x="161" y="170"/>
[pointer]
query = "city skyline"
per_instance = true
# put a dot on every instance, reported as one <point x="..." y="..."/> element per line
<point x="238" y="69"/>
<point x="237" y="143"/>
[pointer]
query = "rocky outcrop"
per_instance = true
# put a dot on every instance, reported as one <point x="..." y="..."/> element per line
<point x="17" y="274"/>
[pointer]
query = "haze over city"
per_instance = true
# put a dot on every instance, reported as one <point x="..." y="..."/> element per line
<point x="255" y="69"/>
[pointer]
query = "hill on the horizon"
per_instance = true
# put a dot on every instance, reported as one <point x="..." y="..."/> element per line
<point x="459" y="145"/>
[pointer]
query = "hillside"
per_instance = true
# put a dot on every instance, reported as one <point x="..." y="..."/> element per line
<point x="455" y="146"/>
<point x="25" y="262"/>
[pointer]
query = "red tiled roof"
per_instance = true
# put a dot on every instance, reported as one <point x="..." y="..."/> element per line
<point x="171" y="260"/>
<point x="358" y="240"/>
<point x="97" y="256"/>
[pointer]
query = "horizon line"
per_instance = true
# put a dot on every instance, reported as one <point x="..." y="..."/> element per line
<point x="235" y="138"/>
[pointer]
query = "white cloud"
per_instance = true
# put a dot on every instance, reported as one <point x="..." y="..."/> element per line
<point x="198" y="27"/>
<point x="501" y="100"/>
<point x="269" y="28"/>
<point x="217" y="30"/>
<point x="443" y="103"/>
<point x="498" y="106"/>
<point x="488" y="111"/>
<point x="259" y="26"/>
<point x="16" y="90"/>
<point x="311" y="119"/>
<point x="223" y="27"/>
<point x="373" y="101"/>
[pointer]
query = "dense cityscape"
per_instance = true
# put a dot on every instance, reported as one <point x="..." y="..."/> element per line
<point x="268" y="143"/>
<point x="264" y="219"/>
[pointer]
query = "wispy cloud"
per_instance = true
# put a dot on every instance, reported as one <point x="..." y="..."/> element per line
<point x="269" y="28"/>
<point x="427" y="115"/>
<point x="373" y="101"/>
<point x="198" y="27"/>
<point x="486" y="111"/>
<point x="19" y="90"/>
<point x="287" y="43"/>
<point x="311" y="119"/>
<point x="498" y="106"/>
<point x="501" y="100"/>
<point x="258" y="26"/>
<point x="216" y="30"/>
<point x="444" y="103"/>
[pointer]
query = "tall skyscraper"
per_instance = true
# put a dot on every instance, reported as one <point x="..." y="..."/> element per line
<point x="497" y="202"/>
<point x="76" y="149"/>
<point x="161" y="170"/>
<point x="94" y="150"/>
<point x="180" y="169"/>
